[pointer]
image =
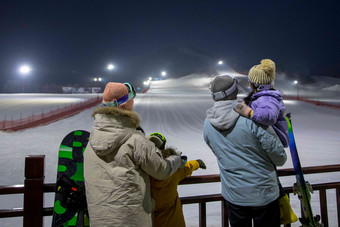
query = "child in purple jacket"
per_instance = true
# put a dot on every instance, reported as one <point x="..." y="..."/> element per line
<point x="264" y="104"/>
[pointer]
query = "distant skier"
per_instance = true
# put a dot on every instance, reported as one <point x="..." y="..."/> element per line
<point x="247" y="154"/>
<point x="168" y="208"/>
<point x="264" y="104"/>
<point x="118" y="161"/>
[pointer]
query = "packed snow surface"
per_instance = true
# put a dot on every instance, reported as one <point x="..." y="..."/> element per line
<point x="177" y="109"/>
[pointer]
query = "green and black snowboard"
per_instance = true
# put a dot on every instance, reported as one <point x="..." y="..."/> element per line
<point x="70" y="208"/>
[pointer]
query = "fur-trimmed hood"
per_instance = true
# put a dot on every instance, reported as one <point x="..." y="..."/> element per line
<point x="112" y="127"/>
<point x="116" y="112"/>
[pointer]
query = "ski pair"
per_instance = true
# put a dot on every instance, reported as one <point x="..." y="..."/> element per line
<point x="302" y="188"/>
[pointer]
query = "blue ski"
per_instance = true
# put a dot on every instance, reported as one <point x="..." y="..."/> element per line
<point x="301" y="187"/>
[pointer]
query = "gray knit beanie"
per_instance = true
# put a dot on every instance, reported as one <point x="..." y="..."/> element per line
<point x="224" y="88"/>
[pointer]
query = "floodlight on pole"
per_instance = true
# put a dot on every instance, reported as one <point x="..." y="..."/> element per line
<point x="110" y="67"/>
<point x="297" y="88"/>
<point x="220" y="62"/>
<point x="24" y="70"/>
<point x="150" y="78"/>
<point x="163" y="73"/>
<point x="97" y="79"/>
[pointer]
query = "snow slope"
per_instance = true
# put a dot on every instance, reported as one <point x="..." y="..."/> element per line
<point x="177" y="109"/>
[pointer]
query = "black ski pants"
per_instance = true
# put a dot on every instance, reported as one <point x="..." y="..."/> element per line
<point x="263" y="216"/>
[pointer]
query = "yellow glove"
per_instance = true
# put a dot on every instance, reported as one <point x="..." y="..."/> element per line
<point x="201" y="164"/>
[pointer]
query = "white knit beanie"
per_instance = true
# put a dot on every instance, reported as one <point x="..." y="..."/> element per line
<point x="263" y="73"/>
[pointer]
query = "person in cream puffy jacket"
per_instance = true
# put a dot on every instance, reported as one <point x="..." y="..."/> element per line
<point x="118" y="161"/>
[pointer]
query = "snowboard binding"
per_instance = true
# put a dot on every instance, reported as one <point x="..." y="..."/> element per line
<point x="73" y="196"/>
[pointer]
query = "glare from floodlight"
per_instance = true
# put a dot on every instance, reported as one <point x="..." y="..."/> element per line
<point x="147" y="82"/>
<point x="163" y="73"/>
<point x="110" y="67"/>
<point x="296" y="82"/>
<point x="25" y="69"/>
<point x="220" y="62"/>
<point x="95" y="79"/>
<point x="99" y="79"/>
<point x="150" y="78"/>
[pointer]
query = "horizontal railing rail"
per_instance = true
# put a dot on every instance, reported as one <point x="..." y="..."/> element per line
<point x="34" y="188"/>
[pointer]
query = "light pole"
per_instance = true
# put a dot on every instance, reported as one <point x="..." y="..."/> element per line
<point x="97" y="85"/>
<point x="163" y="75"/>
<point x="110" y="67"/>
<point x="297" y="88"/>
<point x="24" y="70"/>
<point x="220" y="62"/>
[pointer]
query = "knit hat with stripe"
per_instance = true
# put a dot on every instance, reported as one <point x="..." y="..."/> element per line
<point x="114" y="91"/>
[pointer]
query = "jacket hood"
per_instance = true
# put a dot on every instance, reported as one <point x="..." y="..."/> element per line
<point x="222" y="115"/>
<point x="277" y="94"/>
<point x="112" y="128"/>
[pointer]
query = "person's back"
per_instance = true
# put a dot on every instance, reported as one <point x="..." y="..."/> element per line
<point x="269" y="110"/>
<point x="168" y="208"/>
<point x="118" y="161"/>
<point x="246" y="161"/>
<point x="247" y="154"/>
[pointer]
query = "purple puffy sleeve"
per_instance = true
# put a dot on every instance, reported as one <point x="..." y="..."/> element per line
<point x="266" y="110"/>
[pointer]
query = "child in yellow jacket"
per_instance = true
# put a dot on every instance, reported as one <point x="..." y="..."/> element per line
<point x="168" y="208"/>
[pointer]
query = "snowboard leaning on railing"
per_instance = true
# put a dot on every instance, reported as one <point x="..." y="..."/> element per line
<point x="70" y="208"/>
<point x="301" y="187"/>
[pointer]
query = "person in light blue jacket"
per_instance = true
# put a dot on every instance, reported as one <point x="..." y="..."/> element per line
<point x="247" y="154"/>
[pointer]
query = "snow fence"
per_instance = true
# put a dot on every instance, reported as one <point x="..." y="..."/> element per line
<point x="45" y="118"/>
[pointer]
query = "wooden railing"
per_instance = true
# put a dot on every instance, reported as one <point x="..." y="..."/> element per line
<point x="34" y="189"/>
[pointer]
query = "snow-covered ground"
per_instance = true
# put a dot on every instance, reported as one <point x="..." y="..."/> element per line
<point x="177" y="109"/>
<point x="14" y="106"/>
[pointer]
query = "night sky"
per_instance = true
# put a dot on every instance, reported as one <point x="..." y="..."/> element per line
<point x="66" y="41"/>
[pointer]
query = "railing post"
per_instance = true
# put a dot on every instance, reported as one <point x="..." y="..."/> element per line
<point x="33" y="195"/>
<point x="338" y="204"/>
<point x="323" y="207"/>
<point x="202" y="214"/>
<point x="225" y="216"/>
<point x="4" y="121"/>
